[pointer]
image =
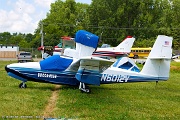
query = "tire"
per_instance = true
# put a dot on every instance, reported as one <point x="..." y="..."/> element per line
<point x="22" y="85"/>
<point x="136" y="57"/>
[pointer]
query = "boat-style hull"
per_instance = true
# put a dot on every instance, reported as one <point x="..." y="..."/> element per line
<point x="54" y="77"/>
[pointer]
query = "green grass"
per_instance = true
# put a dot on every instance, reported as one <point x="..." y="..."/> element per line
<point x="21" y="102"/>
<point x="131" y="101"/>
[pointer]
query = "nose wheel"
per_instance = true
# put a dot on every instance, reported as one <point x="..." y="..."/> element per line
<point x="22" y="85"/>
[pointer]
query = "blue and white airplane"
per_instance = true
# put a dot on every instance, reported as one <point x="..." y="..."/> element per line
<point x="78" y="67"/>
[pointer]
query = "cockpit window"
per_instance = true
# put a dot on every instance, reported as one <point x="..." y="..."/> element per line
<point x="25" y="53"/>
<point x="126" y="66"/>
<point x="126" y="63"/>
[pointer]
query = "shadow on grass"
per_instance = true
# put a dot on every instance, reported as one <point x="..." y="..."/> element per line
<point x="105" y="87"/>
<point x="96" y="89"/>
<point x="40" y="88"/>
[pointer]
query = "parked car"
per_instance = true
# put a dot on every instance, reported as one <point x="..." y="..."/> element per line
<point x="24" y="57"/>
<point x="175" y="56"/>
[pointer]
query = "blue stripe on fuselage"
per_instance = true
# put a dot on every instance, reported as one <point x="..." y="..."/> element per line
<point x="55" y="77"/>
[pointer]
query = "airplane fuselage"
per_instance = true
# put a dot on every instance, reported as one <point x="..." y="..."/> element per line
<point x="110" y="52"/>
<point x="110" y="75"/>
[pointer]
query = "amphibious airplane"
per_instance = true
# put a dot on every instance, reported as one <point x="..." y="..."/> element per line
<point x="122" y="49"/>
<point x="78" y="67"/>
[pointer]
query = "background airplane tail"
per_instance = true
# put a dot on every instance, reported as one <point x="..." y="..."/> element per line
<point x="158" y="61"/>
<point x="125" y="45"/>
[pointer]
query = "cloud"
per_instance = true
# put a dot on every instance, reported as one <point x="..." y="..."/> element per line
<point x="23" y="7"/>
<point x="44" y="3"/>
<point x="19" y="17"/>
<point x="13" y="22"/>
<point x="23" y="15"/>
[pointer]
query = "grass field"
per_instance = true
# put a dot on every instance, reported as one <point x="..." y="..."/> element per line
<point x="131" y="101"/>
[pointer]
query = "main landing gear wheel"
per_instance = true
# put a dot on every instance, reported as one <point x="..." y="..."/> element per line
<point x="84" y="88"/>
<point x="22" y="85"/>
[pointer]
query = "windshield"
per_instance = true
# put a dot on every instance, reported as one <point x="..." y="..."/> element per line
<point x="25" y="53"/>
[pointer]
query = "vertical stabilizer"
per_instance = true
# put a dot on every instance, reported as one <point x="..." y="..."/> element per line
<point x="158" y="61"/>
<point x="125" y="46"/>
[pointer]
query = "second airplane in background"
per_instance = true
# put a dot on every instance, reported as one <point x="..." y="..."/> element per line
<point x="122" y="49"/>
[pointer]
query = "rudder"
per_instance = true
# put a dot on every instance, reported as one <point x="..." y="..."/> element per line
<point x="125" y="46"/>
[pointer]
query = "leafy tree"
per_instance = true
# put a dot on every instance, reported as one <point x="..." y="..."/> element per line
<point x="36" y="42"/>
<point x="16" y="39"/>
<point x="29" y="37"/>
<point x="64" y="19"/>
<point x="4" y="38"/>
<point x="24" y="44"/>
<point x="111" y="20"/>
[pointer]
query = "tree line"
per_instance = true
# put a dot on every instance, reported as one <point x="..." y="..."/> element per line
<point x="111" y="20"/>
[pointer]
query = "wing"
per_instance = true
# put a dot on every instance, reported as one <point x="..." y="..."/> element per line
<point x="89" y="69"/>
<point x="91" y="63"/>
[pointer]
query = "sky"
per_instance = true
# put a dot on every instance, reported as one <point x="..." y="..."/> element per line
<point x="22" y="16"/>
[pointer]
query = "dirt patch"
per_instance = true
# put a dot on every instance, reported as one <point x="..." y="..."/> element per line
<point x="51" y="103"/>
<point x="175" y="68"/>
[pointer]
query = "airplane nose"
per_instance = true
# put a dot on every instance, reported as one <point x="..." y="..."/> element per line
<point x="13" y="73"/>
<point x="7" y="69"/>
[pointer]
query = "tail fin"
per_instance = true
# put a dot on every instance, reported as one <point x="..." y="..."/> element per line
<point x="125" y="46"/>
<point x="158" y="61"/>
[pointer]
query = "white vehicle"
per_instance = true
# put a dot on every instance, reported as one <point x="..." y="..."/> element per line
<point x="175" y="56"/>
<point x="24" y="57"/>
